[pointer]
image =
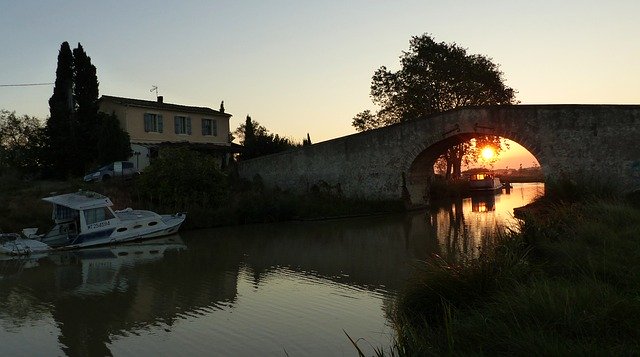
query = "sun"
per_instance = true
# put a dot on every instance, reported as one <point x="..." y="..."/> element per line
<point x="488" y="153"/>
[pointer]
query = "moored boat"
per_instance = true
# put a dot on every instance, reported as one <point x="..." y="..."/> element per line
<point x="85" y="218"/>
<point x="484" y="182"/>
<point x="14" y="244"/>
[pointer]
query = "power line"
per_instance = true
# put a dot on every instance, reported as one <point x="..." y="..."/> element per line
<point x="26" y="84"/>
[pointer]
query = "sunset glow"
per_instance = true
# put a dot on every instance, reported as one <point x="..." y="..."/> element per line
<point x="488" y="153"/>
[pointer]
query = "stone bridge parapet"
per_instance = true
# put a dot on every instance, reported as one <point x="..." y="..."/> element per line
<point x="569" y="141"/>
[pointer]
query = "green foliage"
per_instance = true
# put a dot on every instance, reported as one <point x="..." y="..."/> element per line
<point x="22" y="204"/>
<point x="257" y="140"/>
<point x="566" y="285"/>
<point x="254" y="203"/>
<point x="77" y="136"/>
<point x="307" y="141"/>
<point x="112" y="143"/>
<point x="435" y="77"/>
<point x="366" y="120"/>
<point x="86" y="118"/>
<point x="21" y="141"/>
<point x="60" y="136"/>
<point x="181" y="178"/>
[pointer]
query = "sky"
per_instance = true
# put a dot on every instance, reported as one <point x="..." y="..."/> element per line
<point x="299" y="66"/>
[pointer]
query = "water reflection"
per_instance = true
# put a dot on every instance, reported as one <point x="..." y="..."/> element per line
<point x="465" y="226"/>
<point x="244" y="290"/>
<point x="483" y="203"/>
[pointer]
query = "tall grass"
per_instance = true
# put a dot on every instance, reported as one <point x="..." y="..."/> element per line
<point x="566" y="284"/>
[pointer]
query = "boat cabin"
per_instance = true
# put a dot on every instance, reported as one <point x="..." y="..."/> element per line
<point x="484" y="182"/>
<point x="83" y="212"/>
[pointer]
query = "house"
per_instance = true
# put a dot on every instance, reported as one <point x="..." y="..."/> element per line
<point x="153" y="125"/>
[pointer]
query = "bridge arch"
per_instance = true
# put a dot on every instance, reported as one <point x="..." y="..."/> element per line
<point x="417" y="163"/>
<point x="569" y="141"/>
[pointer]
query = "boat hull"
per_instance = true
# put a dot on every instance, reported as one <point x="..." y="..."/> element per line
<point x="169" y="224"/>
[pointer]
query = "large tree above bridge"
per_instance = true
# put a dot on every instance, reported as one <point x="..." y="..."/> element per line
<point x="435" y="77"/>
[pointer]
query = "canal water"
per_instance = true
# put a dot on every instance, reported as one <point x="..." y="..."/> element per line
<point x="281" y="289"/>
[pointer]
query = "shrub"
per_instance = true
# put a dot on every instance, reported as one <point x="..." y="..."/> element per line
<point x="180" y="178"/>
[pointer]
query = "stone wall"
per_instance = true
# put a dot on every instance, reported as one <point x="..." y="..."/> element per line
<point x="569" y="141"/>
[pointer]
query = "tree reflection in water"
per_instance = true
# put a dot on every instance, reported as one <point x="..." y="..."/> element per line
<point x="238" y="290"/>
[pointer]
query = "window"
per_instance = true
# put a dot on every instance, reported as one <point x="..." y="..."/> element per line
<point x="153" y="123"/>
<point x="64" y="213"/>
<point x="97" y="215"/>
<point x="209" y="127"/>
<point x="182" y="125"/>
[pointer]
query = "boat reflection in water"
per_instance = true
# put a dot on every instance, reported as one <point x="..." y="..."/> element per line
<point x="238" y="291"/>
<point x="483" y="203"/>
<point x="101" y="268"/>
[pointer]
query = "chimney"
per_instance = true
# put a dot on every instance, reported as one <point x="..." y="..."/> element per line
<point x="160" y="99"/>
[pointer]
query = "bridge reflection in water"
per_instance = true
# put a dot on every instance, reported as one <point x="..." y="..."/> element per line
<point x="250" y="290"/>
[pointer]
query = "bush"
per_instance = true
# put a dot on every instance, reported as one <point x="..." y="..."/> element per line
<point x="182" y="179"/>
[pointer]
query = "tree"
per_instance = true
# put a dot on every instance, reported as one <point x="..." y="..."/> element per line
<point x="435" y="77"/>
<point x="257" y="140"/>
<point x="85" y="94"/>
<point x="366" y="120"/>
<point x="307" y="141"/>
<point x="59" y="133"/>
<point x="112" y="143"/>
<point x="77" y="136"/>
<point x="21" y="140"/>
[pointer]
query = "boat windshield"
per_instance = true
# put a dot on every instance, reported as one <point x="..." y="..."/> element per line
<point x="97" y="215"/>
<point x="62" y="213"/>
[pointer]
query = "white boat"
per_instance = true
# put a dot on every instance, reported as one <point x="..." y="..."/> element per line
<point x="85" y="219"/>
<point x="14" y="244"/>
<point x="484" y="182"/>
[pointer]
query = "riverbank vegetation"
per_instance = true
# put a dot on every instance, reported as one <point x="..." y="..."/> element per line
<point x="186" y="181"/>
<point x="566" y="284"/>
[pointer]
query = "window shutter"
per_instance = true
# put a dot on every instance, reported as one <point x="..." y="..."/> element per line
<point x="188" y="125"/>
<point x="214" y="127"/>
<point x="159" y="116"/>
<point x="176" y="124"/>
<point x="204" y="127"/>
<point x="147" y="122"/>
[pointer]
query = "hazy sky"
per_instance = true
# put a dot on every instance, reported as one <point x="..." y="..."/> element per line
<point x="306" y="66"/>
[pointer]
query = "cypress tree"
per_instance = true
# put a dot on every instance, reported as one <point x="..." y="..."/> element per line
<point x="59" y="128"/>
<point x="86" y="110"/>
<point x="249" y="139"/>
<point x="77" y="135"/>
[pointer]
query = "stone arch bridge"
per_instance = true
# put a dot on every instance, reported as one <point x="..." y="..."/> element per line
<point x="576" y="142"/>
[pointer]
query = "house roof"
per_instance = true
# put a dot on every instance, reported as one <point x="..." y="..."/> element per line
<point x="162" y="106"/>
<point x="205" y="147"/>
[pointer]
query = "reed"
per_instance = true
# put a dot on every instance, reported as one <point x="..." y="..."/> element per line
<point x="566" y="284"/>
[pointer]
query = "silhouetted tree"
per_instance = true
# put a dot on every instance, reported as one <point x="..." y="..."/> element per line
<point x="85" y="96"/>
<point x="257" y="140"/>
<point x="434" y="77"/>
<point x="21" y="141"/>
<point x="307" y="141"/>
<point x="59" y="129"/>
<point x="76" y="136"/>
<point x="112" y="143"/>
<point x="366" y="120"/>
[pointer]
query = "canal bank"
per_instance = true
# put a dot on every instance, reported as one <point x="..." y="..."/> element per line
<point x="564" y="283"/>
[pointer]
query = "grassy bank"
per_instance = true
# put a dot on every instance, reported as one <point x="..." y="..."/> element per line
<point x="567" y="284"/>
<point x="246" y="203"/>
